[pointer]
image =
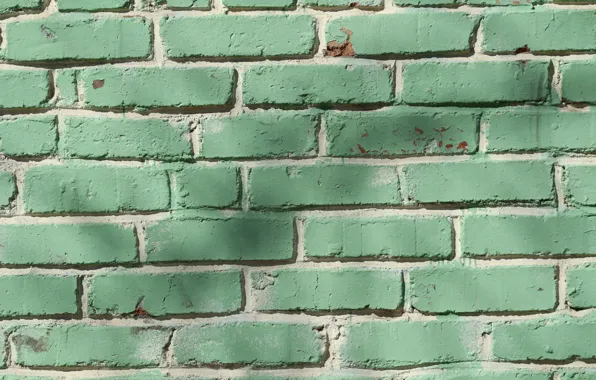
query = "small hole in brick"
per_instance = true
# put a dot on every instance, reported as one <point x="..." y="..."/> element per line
<point x="98" y="83"/>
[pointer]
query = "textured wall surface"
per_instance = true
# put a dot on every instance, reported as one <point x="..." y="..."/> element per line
<point x="327" y="189"/>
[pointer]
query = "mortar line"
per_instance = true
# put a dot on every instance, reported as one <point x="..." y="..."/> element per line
<point x="559" y="188"/>
<point x="322" y="136"/>
<point x="139" y="229"/>
<point x="562" y="286"/>
<point x="457" y="231"/>
<point x="245" y="201"/>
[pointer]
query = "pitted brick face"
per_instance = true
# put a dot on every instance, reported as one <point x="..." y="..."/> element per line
<point x="297" y="189"/>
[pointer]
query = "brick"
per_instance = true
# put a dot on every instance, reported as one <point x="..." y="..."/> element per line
<point x="476" y="82"/>
<point x="260" y="135"/>
<point x="580" y="284"/>
<point x="479" y="181"/>
<point x="541" y="30"/>
<point x="259" y="4"/>
<point x="411" y="32"/>
<point x="301" y="84"/>
<point x="100" y="137"/>
<point x="459" y="289"/>
<point x="46" y="295"/>
<point x="93" y="5"/>
<point x="139" y="375"/>
<point x="7" y="188"/>
<point x="69" y="346"/>
<point x="575" y="87"/>
<point x="28" y="136"/>
<point x="386" y="237"/>
<point x="327" y="289"/>
<point x="501" y="235"/>
<point x="322" y="184"/>
<point x="401" y="131"/>
<point x="24" y="377"/>
<point x="67" y="244"/>
<point x="478" y="374"/>
<point x="66" y="83"/>
<point x="74" y="37"/>
<point x="156" y="87"/>
<point x="81" y="188"/>
<point x="24" y="88"/>
<point x="577" y="375"/>
<point x="186" y="4"/>
<point x="342" y="4"/>
<point x="9" y="6"/>
<point x="538" y="129"/>
<point x="161" y="294"/>
<point x="578" y="181"/>
<point x="555" y="338"/>
<point x="258" y="344"/>
<point x="388" y="344"/>
<point x="245" y="237"/>
<point x="206" y="186"/>
<point x="238" y="36"/>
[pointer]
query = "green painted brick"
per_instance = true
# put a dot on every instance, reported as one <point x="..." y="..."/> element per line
<point x="46" y="295"/>
<point x="410" y="32"/>
<point x="345" y="4"/>
<point x="386" y="237"/>
<point x="23" y="377"/>
<point x="81" y="345"/>
<point x="139" y="375"/>
<point x="390" y="344"/>
<point x="478" y="374"/>
<point x="574" y="86"/>
<point x="350" y="83"/>
<point x="524" y="129"/>
<point x="260" y="135"/>
<point x="322" y="184"/>
<point x="80" y="36"/>
<point x="555" y="338"/>
<point x="160" y="294"/>
<point x="581" y="282"/>
<point x="401" y="131"/>
<point x="577" y="375"/>
<point x="9" y="6"/>
<point x="261" y="376"/>
<point x="502" y="235"/>
<point x="542" y="30"/>
<point x="258" y="344"/>
<point x="100" y="137"/>
<point x="7" y="188"/>
<point x="66" y="85"/>
<point x="206" y="186"/>
<point x="66" y="244"/>
<point x="467" y="82"/>
<point x="459" y="289"/>
<point x="156" y="87"/>
<point x="24" y="88"/>
<point x="92" y="5"/>
<point x="95" y="188"/>
<point x="238" y="35"/>
<point x="28" y="136"/>
<point x="479" y="181"/>
<point x="579" y="181"/>
<point x="327" y="289"/>
<point x="245" y="237"/>
<point x="182" y="4"/>
<point x="259" y="4"/>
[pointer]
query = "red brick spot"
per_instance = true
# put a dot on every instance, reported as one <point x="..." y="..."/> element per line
<point x="98" y="83"/>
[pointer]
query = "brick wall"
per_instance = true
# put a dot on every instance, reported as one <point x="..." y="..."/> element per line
<point x="329" y="190"/>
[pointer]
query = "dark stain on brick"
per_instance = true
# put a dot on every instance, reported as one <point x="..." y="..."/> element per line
<point x="361" y="149"/>
<point x="463" y="145"/>
<point x="418" y="130"/>
<point x="522" y="49"/>
<point x="341" y="49"/>
<point x="36" y="345"/>
<point x="49" y="33"/>
<point x="449" y="146"/>
<point x="98" y="83"/>
<point x="365" y="134"/>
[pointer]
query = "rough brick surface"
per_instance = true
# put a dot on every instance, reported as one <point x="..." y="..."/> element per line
<point x="78" y="37"/>
<point x="384" y="34"/>
<point x="258" y="343"/>
<point x="245" y="36"/>
<point x="321" y="289"/>
<point x="159" y="294"/>
<point x="427" y="238"/>
<point x="297" y="189"/>
<point x="443" y="289"/>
